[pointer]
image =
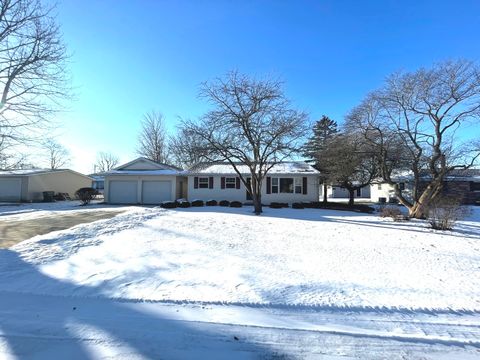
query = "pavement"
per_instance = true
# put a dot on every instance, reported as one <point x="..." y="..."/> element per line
<point x="15" y="231"/>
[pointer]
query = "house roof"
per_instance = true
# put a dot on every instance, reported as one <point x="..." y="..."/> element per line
<point x="144" y="166"/>
<point x="454" y="175"/>
<point x="151" y="163"/>
<point x="283" y="168"/>
<point x="32" y="172"/>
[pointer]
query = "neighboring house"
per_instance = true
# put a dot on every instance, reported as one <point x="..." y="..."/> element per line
<point x="463" y="185"/>
<point x="339" y="192"/>
<point x="29" y="185"/>
<point x="143" y="181"/>
<point x="98" y="182"/>
<point x="286" y="182"/>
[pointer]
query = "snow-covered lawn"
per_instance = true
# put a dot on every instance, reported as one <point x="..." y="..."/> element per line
<point x="286" y="256"/>
<point x="307" y="265"/>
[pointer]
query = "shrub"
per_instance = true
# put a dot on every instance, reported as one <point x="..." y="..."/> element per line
<point x="277" y="205"/>
<point x="198" y="203"/>
<point x="443" y="213"/>
<point x="343" y="207"/>
<point x="183" y="204"/>
<point x="211" y="203"/>
<point x="392" y="212"/>
<point x="169" y="205"/>
<point x="236" y="204"/>
<point x="297" y="206"/>
<point x="224" y="203"/>
<point x="86" y="194"/>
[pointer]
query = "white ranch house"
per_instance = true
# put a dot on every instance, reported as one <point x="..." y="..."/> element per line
<point x="143" y="181"/>
<point x="286" y="182"/>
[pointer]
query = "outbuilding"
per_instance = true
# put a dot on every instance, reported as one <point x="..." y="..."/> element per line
<point x="29" y="185"/>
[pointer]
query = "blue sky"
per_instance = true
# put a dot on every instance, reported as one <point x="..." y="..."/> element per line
<point x="130" y="57"/>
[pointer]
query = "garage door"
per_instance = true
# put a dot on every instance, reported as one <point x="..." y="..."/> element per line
<point x="154" y="192"/>
<point x="122" y="192"/>
<point x="10" y="189"/>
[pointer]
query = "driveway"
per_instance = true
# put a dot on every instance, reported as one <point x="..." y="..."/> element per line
<point x="15" y="231"/>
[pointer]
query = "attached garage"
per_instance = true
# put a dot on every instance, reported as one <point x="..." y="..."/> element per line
<point x="143" y="181"/>
<point x="123" y="192"/>
<point x="10" y="189"/>
<point x="155" y="192"/>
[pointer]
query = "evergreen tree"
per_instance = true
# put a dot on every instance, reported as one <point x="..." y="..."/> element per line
<point x="323" y="131"/>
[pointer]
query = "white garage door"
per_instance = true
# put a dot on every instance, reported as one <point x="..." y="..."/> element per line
<point x="154" y="192"/>
<point x="10" y="189"/>
<point x="122" y="192"/>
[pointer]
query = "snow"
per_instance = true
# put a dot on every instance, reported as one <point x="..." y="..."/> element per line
<point x="28" y="211"/>
<point x="291" y="282"/>
<point x="283" y="168"/>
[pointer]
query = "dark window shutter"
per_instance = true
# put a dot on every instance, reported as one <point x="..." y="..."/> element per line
<point x="269" y="185"/>
<point x="223" y="182"/>
<point x="210" y="182"/>
<point x="237" y="183"/>
<point x="304" y="186"/>
<point x="195" y="182"/>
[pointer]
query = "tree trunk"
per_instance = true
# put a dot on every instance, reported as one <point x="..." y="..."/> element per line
<point x="325" y="188"/>
<point x="419" y="210"/>
<point x="256" y="196"/>
<point x="257" y="204"/>
<point x="351" y="197"/>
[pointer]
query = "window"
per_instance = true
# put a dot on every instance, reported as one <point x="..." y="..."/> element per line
<point x="203" y="182"/>
<point x="230" y="183"/>
<point x="474" y="186"/>
<point x="298" y="185"/>
<point x="274" y="185"/>
<point x="286" y="185"/>
<point x="379" y="186"/>
<point x="359" y="192"/>
<point x="401" y="186"/>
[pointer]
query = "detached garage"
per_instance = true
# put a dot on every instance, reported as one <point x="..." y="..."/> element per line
<point x="143" y="181"/>
<point x="29" y="185"/>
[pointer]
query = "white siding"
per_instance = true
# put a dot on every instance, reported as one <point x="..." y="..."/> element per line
<point x="217" y="193"/>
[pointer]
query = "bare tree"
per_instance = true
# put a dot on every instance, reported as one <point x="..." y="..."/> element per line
<point x="105" y="161"/>
<point x="349" y="162"/>
<point x="152" y="141"/>
<point x="32" y="69"/>
<point x="414" y="121"/>
<point x="252" y="124"/>
<point x="187" y="148"/>
<point x="58" y="156"/>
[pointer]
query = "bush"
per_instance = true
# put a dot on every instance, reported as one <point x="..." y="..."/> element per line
<point x="198" y="203"/>
<point x="224" y="203"/>
<point x="277" y="205"/>
<point x="236" y="204"/>
<point x="392" y="212"/>
<point x="169" y="205"/>
<point x="183" y="204"/>
<point x="211" y="203"/>
<point x="298" y="206"/>
<point x="443" y="213"/>
<point x="343" y="207"/>
<point x="86" y="194"/>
